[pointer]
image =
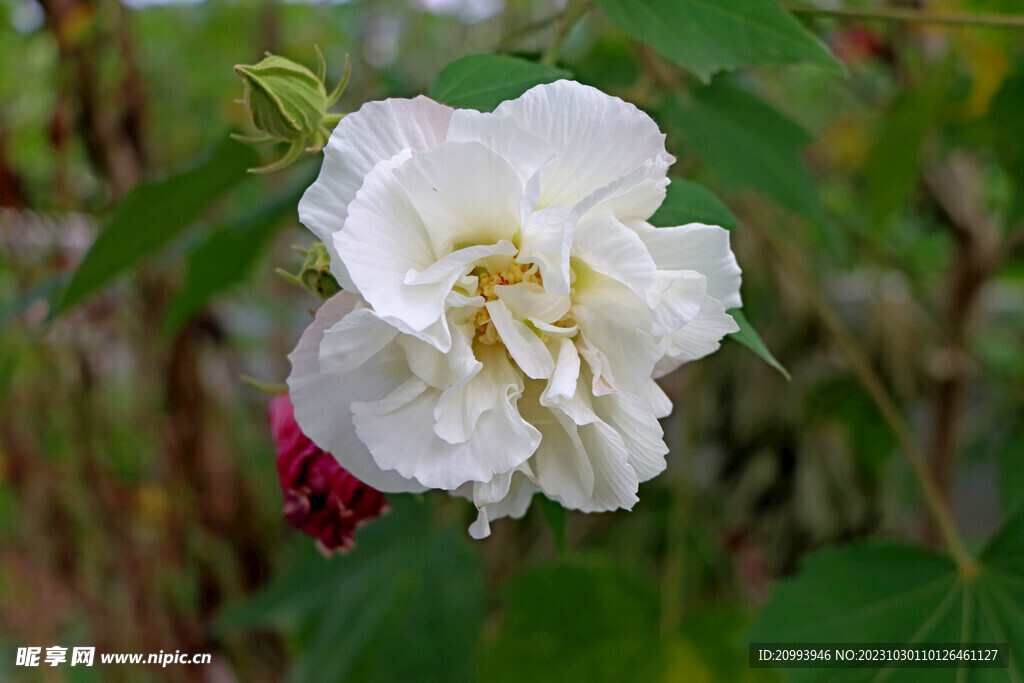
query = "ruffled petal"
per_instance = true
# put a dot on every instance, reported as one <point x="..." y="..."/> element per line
<point x="596" y="138"/>
<point x="375" y="133"/>
<point x="610" y="248"/>
<point x="547" y="241"/>
<point x="465" y="194"/>
<point x="353" y="340"/>
<point x="523" y="344"/>
<point x="703" y="248"/>
<point x="638" y="426"/>
<point x="528" y="300"/>
<point x="525" y="152"/>
<point x="682" y="295"/>
<point x="399" y="431"/>
<point x="519" y="491"/>
<point x="615" y="480"/>
<point x="382" y="241"/>
<point x="697" y="338"/>
<point x="616" y="323"/>
<point x="322" y="397"/>
<point x="632" y="197"/>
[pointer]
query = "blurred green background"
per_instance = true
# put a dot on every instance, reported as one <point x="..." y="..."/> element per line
<point x="878" y="220"/>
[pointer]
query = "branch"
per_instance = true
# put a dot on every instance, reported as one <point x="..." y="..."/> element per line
<point x="915" y="16"/>
<point x="573" y="13"/>
<point x="793" y="266"/>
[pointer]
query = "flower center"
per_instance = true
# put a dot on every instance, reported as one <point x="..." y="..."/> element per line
<point x="487" y="281"/>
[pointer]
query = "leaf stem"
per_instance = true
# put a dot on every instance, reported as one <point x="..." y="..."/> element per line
<point x="911" y="15"/>
<point x="862" y="368"/>
<point x="572" y="14"/>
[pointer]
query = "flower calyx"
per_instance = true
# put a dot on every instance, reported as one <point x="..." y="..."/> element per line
<point x="288" y="103"/>
<point x="315" y="272"/>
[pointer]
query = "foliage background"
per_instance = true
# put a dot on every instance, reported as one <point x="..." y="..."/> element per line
<point x="875" y="190"/>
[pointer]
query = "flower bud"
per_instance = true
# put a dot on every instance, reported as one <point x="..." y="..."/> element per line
<point x="321" y="498"/>
<point x="288" y="103"/>
<point x="286" y="100"/>
<point x="315" y="273"/>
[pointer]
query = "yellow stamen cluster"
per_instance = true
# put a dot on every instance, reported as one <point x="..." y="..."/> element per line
<point x="487" y="281"/>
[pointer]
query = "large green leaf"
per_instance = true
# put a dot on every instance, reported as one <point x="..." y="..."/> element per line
<point x="579" y="620"/>
<point x="1004" y="117"/>
<point x="889" y="593"/>
<point x="706" y="36"/>
<point x="151" y="215"/>
<point x="484" y="81"/>
<point x="748" y="144"/>
<point x="749" y="337"/>
<point x="688" y="202"/>
<point x="227" y="255"/>
<point x="1011" y="465"/>
<point x="894" y="161"/>
<point x="405" y="605"/>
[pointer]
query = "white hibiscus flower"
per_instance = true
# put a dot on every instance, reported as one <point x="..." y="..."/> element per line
<point x="505" y="301"/>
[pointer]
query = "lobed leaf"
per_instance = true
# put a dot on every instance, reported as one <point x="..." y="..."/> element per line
<point x="484" y="81"/>
<point x="706" y="36"/>
<point x="890" y="593"/>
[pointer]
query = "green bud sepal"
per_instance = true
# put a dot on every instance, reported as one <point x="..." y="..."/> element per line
<point x="288" y="103"/>
<point x="315" y="272"/>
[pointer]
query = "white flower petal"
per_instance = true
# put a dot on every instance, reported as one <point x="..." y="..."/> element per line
<point x="641" y="434"/>
<point x="703" y="248"/>
<point x="382" y="241"/>
<point x="561" y="464"/>
<point x="655" y="397"/>
<point x="530" y="300"/>
<point x="683" y="293"/>
<point x="547" y="241"/>
<point x="399" y="431"/>
<point x="697" y="338"/>
<point x="596" y="138"/>
<point x="516" y="501"/>
<point x="525" y="152"/>
<point x="375" y="133"/>
<point x="322" y="397"/>
<point x="465" y="194"/>
<point x="632" y="197"/>
<point x="610" y="248"/>
<point x="616" y="323"/>
<point x="615" y="481"/>
<point x="567" y="371"/>
<point x="523" y="344"/>
<point x="353" y="340"/>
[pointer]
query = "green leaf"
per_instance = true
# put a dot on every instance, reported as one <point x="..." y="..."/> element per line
<point x="706" y="36"/>
<point x="748" y="144"/>
<point x="1004" y="117"/>
<point x="749" y="337"/>
<point x="889" y="593"/>
<point x="707" y="648"/>
<point x="227" y="255"/>
<point x="688" y="202"/>
<point x="151" y="215"/>
<point x="894" y="161"/>
<point x="405" y="605"/>
<point x="484" y="81"/>
<point x="578" y="620"/>
<point x="1011" y="466"/>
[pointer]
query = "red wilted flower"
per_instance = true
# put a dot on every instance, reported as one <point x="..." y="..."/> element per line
<point x="321" y="498"/>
